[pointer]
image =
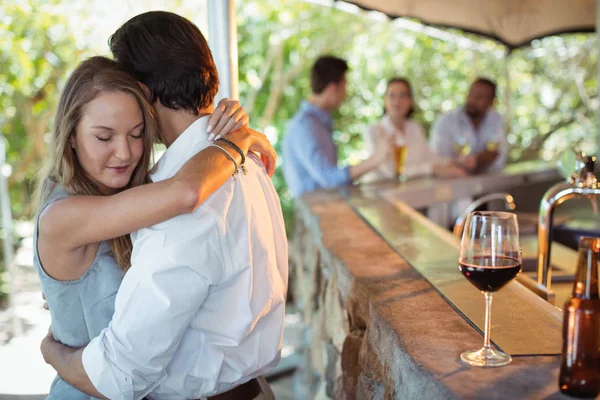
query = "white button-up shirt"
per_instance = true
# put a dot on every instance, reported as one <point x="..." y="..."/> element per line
<point x="456" y="127"/>
<point x="419" y="158"/>
<point x="201" y="309"/>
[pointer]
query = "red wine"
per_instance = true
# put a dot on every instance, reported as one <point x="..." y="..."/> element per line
<point x="490" y="274"/>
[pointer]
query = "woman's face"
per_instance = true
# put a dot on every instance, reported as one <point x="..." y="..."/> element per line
<point x="397" y="100"/>
<point x="109" y="140"/>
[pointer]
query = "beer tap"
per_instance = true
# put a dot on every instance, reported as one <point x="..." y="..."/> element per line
<point x="581" y="182"/>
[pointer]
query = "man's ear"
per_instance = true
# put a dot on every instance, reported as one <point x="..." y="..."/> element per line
<point x="146" y="91"/>
<point x="330" y="88"/>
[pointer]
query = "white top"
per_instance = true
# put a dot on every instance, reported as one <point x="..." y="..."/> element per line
<point x="201" y="309"/>
<point x="456" y="126"/>
<point x="419" y="158"/>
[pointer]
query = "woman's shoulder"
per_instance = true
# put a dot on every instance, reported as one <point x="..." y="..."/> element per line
<point x="374" y="128"/>
<point x="53" y="191"/>
<point x="379" y="126"/>
<point x="52" y="212"/>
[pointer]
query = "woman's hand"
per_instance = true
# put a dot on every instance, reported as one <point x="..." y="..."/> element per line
<point x="384" y="145"/>
<point x="260" y="144"/>
<point x="250" y="140"/>
<point x="228" y="119"/>
<point x="228" y="116"/>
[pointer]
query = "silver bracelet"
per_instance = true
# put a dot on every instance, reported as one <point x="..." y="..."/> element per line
<point x="228" y="156"/>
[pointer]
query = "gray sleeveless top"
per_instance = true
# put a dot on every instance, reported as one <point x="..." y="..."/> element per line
<point x="79" y="309"/>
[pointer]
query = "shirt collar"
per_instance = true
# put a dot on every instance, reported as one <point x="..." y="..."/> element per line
<point x="322" y="115"/>
<point x="182" y="149"/>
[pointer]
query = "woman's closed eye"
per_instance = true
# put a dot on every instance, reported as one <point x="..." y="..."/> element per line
<point x="138" y="131"/>
<point x="103" y="139"/>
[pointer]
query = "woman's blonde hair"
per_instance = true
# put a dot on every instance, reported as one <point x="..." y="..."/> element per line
<point x="92" y="77"/>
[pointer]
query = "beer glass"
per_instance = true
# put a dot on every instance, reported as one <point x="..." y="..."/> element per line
<point x="462" y="146"/>
<point x="400" y="158"/>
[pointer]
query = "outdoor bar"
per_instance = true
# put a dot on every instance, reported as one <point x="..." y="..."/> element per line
<point x="374" y="271"/>
<point x="389" y="312"/>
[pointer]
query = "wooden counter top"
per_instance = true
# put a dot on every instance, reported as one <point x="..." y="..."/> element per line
<point x="379" y="329"/>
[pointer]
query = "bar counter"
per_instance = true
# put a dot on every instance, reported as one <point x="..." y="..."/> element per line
<point x="380" y="330"/>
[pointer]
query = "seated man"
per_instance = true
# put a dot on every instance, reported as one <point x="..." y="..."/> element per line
<point x="473" y="134"/>
<point x="309" y="154"/>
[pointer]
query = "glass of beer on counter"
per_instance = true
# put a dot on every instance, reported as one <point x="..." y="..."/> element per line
<point x="490" y="257"/>
<point x="400" y="158"/>
<point x="462" y="146"/>
<point x="492" y="145"/>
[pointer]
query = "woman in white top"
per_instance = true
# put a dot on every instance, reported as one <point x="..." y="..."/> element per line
<point x="396" y="122"/>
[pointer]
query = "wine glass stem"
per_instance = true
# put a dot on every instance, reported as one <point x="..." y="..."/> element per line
<point x="488" y="319"/>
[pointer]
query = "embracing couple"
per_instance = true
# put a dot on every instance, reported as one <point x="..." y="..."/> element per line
<point x="191" y="304"/>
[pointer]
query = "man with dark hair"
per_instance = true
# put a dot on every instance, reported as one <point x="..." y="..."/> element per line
<point x="473" y="134"/>
<point x="176" y="65"/>
<point x="200" y="312"/>
<point x="309" y="154"/>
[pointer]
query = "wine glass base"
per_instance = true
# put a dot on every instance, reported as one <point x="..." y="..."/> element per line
<point x="485" y="358"/>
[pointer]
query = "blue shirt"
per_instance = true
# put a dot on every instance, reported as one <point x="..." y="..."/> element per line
<point x="309" y="154"/>
<point x="453" y="129"/>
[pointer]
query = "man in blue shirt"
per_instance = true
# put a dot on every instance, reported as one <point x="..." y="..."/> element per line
<point x="475" y="133"/>
<point x="309" y="154"/>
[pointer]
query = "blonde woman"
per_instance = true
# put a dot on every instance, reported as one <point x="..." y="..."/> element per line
<point x="95" y="191"/>
<point x="397" y="123"/>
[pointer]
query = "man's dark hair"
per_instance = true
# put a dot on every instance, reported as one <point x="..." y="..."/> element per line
<point x="169" y="55"/>
<point x="491" y="84"/>
<point x="326" y="70"/>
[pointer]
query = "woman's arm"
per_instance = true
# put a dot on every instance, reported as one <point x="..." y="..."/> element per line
<point x="82" y="220"/>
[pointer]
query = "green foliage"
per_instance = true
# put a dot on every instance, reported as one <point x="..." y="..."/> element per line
<point x="551" y="103"/>
<point x="36" y="50"/>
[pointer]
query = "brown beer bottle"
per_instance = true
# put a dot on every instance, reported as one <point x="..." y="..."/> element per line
<point x="580" y="368"/>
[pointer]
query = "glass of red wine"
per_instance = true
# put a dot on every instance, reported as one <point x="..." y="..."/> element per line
<point x="490" y="257"/>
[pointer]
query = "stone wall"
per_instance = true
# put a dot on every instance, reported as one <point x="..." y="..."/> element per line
<point x="377" y="328"/>
<point x="335" y="309"/>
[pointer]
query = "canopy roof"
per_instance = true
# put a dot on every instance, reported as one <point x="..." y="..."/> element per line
<point x="514" y="23"/>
